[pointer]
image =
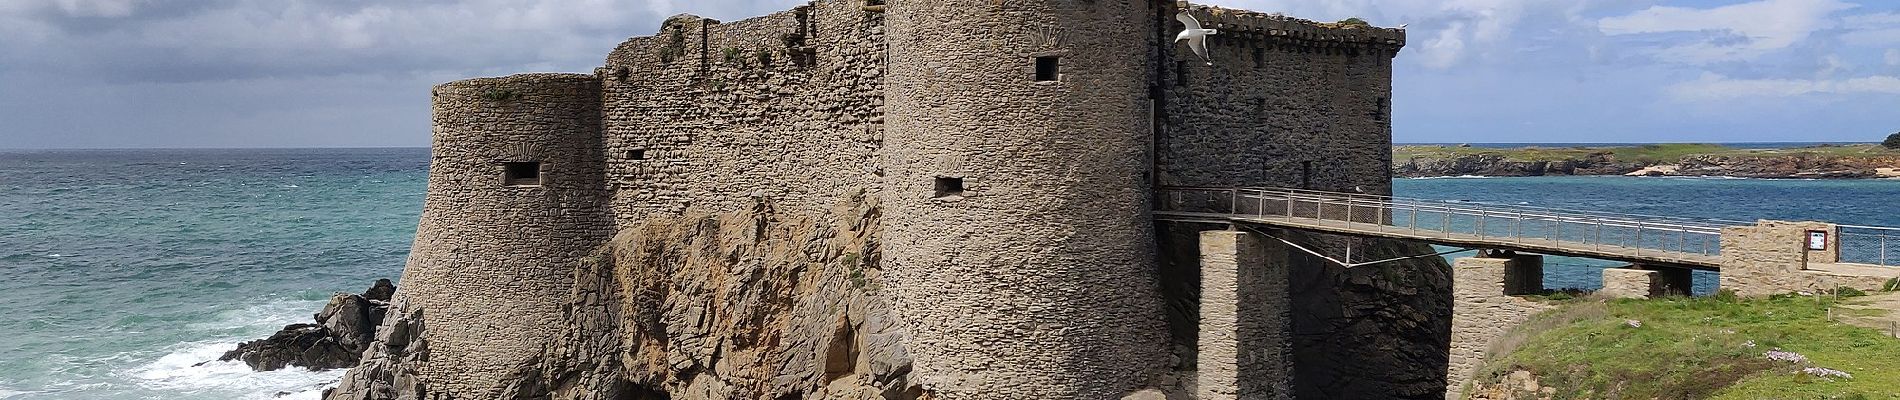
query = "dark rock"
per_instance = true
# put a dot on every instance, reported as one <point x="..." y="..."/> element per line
<point x="381" y="291"/>
<point x="303" y="345"/>
<point x="345" y="327"/>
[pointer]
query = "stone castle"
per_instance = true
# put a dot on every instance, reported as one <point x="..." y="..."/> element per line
<point x="904" y="199"/>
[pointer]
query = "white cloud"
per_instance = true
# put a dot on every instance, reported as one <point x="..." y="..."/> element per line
<point x="1893" y="57"/>
<point x="1715" y="87"/>
<point x="1444" y="33"/>
<point x="1736" y="32"/>
<point x="1871" y="21"/>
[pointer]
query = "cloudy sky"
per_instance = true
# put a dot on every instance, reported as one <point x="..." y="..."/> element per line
<point x="350" y="73"/>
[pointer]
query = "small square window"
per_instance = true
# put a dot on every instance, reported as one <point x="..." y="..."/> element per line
<point x="1048" y="68"/>
<point x="526" y="173"/>
<point x="949" y="187"/>
<point x="637" y="154"/>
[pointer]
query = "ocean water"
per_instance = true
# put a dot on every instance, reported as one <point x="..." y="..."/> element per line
<point x="1738" y="145"/>
<point x="126" y="270"/>
<point x="1854" y="202"/>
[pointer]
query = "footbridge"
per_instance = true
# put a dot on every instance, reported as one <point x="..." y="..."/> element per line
<point x="1650" y="240"/>
<point x="1244" y="273"/>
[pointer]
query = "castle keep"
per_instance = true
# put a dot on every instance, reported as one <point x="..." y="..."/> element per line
<point x="993" y="163"/>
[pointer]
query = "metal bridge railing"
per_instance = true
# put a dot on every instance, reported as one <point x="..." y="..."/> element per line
<point x="1645" y="235"/>
<point x="1869" y="245"/>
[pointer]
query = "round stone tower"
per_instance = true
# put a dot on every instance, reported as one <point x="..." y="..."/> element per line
<point x="515" y="198"/>
<point x="1018" y="242"/>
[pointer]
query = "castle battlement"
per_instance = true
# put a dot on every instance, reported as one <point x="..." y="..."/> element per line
<point x="1279" y="29"/>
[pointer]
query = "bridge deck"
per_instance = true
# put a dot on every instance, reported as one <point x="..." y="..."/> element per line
<point x="1638" y="255"/>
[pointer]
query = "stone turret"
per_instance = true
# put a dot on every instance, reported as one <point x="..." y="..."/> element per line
<point x="1018" y="244"/>
<point x="514" y="200"/>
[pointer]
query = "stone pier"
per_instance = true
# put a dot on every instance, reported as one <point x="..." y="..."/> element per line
<point x="1245" y="348"/>
<point x="1485" y="306"/>
<point x="1643" y="281"/>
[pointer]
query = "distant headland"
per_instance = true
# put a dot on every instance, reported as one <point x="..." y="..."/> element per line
<point x="1794" y="161"/>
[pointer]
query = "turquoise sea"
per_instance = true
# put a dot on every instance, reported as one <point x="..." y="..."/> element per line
<point x="125" y="269"/>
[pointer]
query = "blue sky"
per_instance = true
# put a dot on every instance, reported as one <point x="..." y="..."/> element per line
<point x="326" y="73"/>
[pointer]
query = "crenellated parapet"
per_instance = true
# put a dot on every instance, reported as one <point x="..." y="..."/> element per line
<point x="1289" y="33"/>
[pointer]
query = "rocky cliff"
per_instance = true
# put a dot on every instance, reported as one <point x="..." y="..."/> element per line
<point x="750" y="304"/>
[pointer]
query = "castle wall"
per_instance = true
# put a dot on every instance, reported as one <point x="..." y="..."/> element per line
<point x="786" y="107"/>
<point x="1294" y="103"/>
<point x="1017" y="249"/>
<point x="1036" y="279"/>
<point x="492" y="261"/>
<point x="1286" y="103"/>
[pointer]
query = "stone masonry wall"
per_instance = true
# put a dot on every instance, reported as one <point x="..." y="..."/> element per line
<point x="1245" y="345"/>
<point x="1294" y="103"/>
<point x="1768" y="258"/>
<point x="1037" y="279"/>
<point x="787" y="106"/>
<point x="491" y="262"/>
<point x="1484" y="293"/>
<point x="1286" y="103"/>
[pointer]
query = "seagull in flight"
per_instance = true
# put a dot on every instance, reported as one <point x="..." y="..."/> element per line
<point x="1196" y="37"/>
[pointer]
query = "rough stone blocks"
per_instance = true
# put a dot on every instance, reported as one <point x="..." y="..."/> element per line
<point x="1633" y="282"/>
<point x="1244" y="346"/>
<point x="1484" y="308"/>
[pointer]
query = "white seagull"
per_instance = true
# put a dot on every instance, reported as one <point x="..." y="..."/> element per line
<point x="1196" y="37"/>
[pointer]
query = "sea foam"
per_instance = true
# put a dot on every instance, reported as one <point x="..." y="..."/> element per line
<point x="193" y="369"/>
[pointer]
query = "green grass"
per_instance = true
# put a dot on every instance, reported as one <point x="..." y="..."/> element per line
<point x="1653" y="153"/>
<point x="1700" y="348"/>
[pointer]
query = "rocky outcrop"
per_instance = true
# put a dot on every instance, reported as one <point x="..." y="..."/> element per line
<point x="1495" y="164"/>
<point x="1791" y="166"/>
<point x="345" y="327"/>
<point x="1371" y="331"/>
<point x="757" y="303"/>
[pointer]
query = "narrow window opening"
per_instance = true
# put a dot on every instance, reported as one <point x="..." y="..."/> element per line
<point x="1048" y="69"/>
<point x="1381" y="114"/>
<point x="637" y="154"/>
<point x="1306" y="175"/>
<point x="1259" y="58"/>
<point x="526" y="173"/>
<point x="1180" y="73"/>
<point x="949" y="187"/>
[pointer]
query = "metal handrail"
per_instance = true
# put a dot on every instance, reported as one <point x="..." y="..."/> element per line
<point x="1638" y="233"/>
<point x="1710" y="221"/>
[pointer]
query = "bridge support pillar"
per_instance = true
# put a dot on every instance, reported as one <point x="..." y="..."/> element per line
<point x="1770" y="257"/>
<point x="1485" y="306"/>
<point x="1641" y="282"/>
<point x="1245" y="328"/>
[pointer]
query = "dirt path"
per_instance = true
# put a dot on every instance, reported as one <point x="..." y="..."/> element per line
<point x="1879" y="311"/>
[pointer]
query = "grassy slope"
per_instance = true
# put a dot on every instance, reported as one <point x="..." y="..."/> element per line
<point x="1699" y="348"/>
<point x="1658" y="153"/>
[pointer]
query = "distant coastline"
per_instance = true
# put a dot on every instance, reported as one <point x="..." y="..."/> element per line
<point x="1744" y="160"/>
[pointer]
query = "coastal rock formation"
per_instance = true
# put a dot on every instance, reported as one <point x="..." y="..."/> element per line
<point x="757" y="303"/>
<point x="1789" y="166"/>
<point x="1493" y="164"/>
<point x="1793" y="166"/>
<point x="344" y="328"/>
